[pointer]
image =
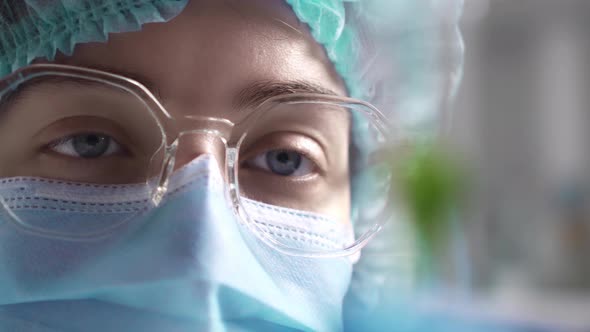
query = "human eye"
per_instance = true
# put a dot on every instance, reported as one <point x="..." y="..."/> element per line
<point x="283" y="162"/>
<point x="90" y="133"/>
<point x="284" y="156"/>
<point x="91" y="150"/>
<point x="89" y="145"/>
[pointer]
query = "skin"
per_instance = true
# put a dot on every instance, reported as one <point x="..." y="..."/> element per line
<point x="201" y="64"/>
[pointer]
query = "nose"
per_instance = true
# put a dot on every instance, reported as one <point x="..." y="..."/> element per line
<point x="193" y="145"/>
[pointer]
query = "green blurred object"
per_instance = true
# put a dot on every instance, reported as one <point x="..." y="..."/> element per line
<point x="430" y="183"/>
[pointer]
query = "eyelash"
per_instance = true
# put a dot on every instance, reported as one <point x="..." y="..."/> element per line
<point x="261" y="162"/>
<point x="55" y="145"/>
<point x="302" y="161"/>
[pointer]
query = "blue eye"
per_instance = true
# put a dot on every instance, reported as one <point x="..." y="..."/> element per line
<point x="283" y="163"/>
<point x="87" y="146"/>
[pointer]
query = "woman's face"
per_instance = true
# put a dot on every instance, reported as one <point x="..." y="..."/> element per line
<point x="213" y="57"/>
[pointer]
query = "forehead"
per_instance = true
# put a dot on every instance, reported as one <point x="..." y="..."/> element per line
<point x="213" y="50"/>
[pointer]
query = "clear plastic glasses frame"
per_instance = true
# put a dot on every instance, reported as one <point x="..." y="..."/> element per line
<point x="232" y="135"/>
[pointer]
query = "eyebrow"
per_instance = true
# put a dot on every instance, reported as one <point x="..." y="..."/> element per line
<point x="8" y="98"/>
<point x="256" y="93"/>
<point x="251" y="96"/>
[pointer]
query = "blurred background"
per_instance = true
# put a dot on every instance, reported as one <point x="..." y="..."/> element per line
<point x="522" y="122"/>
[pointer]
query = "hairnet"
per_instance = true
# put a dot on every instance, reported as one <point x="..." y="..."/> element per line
<point x="404" y="56"/>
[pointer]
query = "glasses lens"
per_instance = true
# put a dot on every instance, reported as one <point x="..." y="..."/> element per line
<point x="310" y="165"/>
<point x="76" y="143"/>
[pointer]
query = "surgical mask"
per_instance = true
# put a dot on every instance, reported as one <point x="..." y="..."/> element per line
<point x="189" y="265"/>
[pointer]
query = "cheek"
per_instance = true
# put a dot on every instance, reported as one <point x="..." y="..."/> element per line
<point x="338" y="203"/>
<point x="331" y="199"/>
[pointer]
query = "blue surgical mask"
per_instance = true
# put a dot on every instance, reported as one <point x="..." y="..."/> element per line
<point x="189" y="265"/>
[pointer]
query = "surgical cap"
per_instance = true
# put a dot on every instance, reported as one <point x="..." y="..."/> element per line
<point x="404" y="56"/>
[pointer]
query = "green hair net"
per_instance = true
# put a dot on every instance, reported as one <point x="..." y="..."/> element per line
<point x="31" y="29"/>
<point x="402" y="55"/>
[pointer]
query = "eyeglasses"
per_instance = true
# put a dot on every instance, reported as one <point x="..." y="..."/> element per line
<point x="314" y="153"/>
